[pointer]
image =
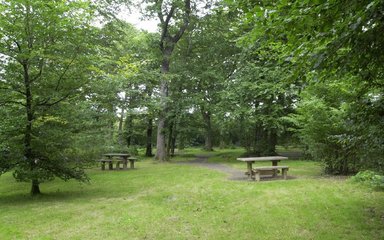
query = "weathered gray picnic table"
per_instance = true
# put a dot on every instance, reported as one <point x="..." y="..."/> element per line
<point x="123" y="158"/>
<point x="254" y="173"/>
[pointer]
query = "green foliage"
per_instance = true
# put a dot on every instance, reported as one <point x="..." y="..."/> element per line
<point x="335" y="53"/>
<point x="370" y="178"/>
<point x="133" y="150"/>
<point x="46" y="51"/>
<point x="340" y="128"/>
<point x="257" y="96"/>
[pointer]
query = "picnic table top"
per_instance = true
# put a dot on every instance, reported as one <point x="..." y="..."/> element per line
<point x="117" y="154"/>
<point x="268" y="158"/>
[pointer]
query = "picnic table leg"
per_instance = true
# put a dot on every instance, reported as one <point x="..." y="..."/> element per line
<point x="249" y="167"/>
<point x="285" y="173"/>
<point x="110" y="165"/>
<point x="274" y="163"/>
<point x="103" y="165"/>
<point x="132" y="164"/>
<point x="125" y="164"/>
<point x="257" y="176"/>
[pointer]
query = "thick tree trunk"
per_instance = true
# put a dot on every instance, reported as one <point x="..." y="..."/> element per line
<point x="148" y="151"/>
<point x="167" y="45"/>
<point x="161" y="151"/>
<point x="272" y="142"/>
<point x="259" y="145"/>
<point x="35" y="189"/>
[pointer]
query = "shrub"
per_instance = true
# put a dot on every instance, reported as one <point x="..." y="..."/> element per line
<point x="370" y="178"/>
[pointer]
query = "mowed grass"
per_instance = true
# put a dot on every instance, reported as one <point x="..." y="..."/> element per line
<point x="172" y="201"/>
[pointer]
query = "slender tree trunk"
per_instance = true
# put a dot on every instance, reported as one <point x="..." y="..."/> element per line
<point x="208" y="130"/>
<point x="121" y="120"/>
<point x="129" y="129"/>
<point x="171" y="139"/>
<point x="28" y="154"/>
<point x="170" y="133"/>
<point x="111" y="122"/>
<point x="148" y="151"/>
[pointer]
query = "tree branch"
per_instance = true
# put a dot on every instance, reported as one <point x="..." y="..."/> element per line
<point x="185" y="25"/>
<point x="159" y="12"/>
<point x="46" y="102"/>
<point x="11" y="102"/>
<point x="38" y="75"/>
<point x="12" y="89"/>
<point x="63" y="73"/>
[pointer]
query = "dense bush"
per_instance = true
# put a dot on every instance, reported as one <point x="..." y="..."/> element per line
<point x="370" y="178"/>
<point x="342" y="128"/>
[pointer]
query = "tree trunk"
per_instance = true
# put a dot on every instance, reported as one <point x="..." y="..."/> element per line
<point x="121" y="120"/>
<point x="272" y="142"/>
<point x="129" y="129"/>
<point x="170" y="133"/>
<point x="28" y="154"/>
<point x="161" y="151"/>
<point x="35" y="189"/>
<point x="259" y="144"/>
<point x="171" y="139"/>
<point x="111" y="127"/>
<point x="167" y="45"/>
<point x="148" y="151"/>
<point x="208" y="130"/>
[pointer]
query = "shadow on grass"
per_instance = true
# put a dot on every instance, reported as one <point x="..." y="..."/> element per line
<point x="84" y="192"/>
<point x="23" y="199"/>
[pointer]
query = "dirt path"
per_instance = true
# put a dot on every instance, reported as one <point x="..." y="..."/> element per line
<point x="233" y="174"/>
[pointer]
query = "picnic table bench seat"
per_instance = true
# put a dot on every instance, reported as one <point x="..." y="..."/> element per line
<point x="118" y="161"/>
<point x="103" y="161"/>
<point x="271" y="170"/>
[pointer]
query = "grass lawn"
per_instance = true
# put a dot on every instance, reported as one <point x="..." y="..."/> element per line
<point x="171" y="201"/>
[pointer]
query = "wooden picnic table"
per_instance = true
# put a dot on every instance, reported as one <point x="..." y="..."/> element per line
<point x="252" y="160"/>
<point x="124" y="158"/>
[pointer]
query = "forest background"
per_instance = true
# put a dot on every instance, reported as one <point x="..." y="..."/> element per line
<point x="254" y="74"/>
